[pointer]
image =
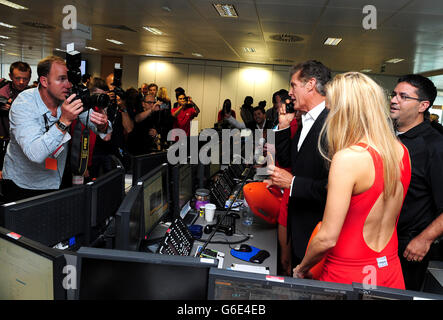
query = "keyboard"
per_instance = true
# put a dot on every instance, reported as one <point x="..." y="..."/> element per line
<point x="228" y="223"/>
<point x="178" y="240"/>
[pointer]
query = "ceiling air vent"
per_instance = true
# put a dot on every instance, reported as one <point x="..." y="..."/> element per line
<point x="115" y="26"/>
<point x="37" y="25"/>
<point x="286" y="37"/>
<point x="289" y="61"/>
<point x="173" y="53"/>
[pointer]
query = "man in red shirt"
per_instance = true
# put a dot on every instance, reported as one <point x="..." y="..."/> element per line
<point x="184" y="113"/>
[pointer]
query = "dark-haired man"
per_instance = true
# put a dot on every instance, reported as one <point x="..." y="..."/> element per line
<point x="421" y="218"/>
<point x="272" y="113"/>
<point x="307" y="183"/>
<point x="39" y="122"/>
<point x="20" y="74"/>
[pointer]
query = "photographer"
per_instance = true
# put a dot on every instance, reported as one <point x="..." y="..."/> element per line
<point x="122" y="125"/>
<point x="40" y="118"/>
<point x="20" y="74"/>
<point x="184" y="113"/>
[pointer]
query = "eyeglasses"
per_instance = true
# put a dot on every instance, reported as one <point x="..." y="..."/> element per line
<point x="149" y="102"/>
<point x="402" y="96"/>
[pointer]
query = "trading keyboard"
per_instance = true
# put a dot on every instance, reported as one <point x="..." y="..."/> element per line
<point x="178" y="240"/>
<point x="228" y="223"/>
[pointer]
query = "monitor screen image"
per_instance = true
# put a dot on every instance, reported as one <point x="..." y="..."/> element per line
<point x="128" y="220"/>
<point x="185" y="185"/>
<point x="114" y="274"/>
<point x="29" y="271"/>
<point x="107" y="193"/>
<point x="155" y="197"/>
<point x="182" y="189"/>
<point x="237" y="285"/>
<point x="142" y="164"/>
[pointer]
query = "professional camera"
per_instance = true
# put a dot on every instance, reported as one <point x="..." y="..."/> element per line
<point x="100" y="101"/>
<point x="3" y="101"/>
<point x="290" y="105"/>
<point x="117" y="83"/>
<point x="189" y="103"/>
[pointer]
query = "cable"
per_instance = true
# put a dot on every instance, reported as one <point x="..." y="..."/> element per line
<point x="236" y="194"/>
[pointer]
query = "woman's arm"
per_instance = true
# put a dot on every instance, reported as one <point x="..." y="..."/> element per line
<point x="342" y="179"/>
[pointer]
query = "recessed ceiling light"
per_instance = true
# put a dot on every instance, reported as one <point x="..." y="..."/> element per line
<point x="195" y="54"/>
<point x="249" y="49"/>
<point x="332" y="41"/>
<point x="7" y="25"/>
<point x="153" y="30"/>
<point x="152" y="55"/>
<point x="366" y="70"/>
<point x="92" y="48"/>
<point x="4" y="37"/>
<point x="115" y="41"/>
<point x="226" y="10"/>
<point x="13" y="54"/>
<point x="58" y="49"/>
<point x="12" y="5"/>
<point x="395" y="60"/>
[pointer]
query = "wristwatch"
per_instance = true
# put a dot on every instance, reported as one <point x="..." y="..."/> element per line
<point x="62" y="126"/>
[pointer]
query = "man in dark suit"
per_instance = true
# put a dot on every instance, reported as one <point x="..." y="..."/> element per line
<point x="308" y="180"/>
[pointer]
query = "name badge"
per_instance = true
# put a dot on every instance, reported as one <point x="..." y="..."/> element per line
<point x="382" y="262"/>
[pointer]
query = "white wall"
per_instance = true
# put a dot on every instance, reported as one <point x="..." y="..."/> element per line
<point x="209" y="83"/>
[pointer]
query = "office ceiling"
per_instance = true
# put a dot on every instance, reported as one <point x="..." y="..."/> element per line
<point x="408" y="29"/>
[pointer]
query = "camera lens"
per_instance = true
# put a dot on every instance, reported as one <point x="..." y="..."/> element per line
<point x="99" y="100"/>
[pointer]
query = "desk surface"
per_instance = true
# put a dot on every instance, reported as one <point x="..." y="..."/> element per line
<point x="264" y="237"/>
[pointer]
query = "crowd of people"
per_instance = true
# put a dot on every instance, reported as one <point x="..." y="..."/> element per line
<point x="371" y="174"/>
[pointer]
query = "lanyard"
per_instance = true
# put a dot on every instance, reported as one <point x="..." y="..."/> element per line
<point x="46" y="122"/>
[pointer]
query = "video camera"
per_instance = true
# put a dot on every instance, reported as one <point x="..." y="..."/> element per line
<point x="98" y="100"/>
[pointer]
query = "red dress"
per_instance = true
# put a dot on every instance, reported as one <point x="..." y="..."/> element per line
<point x="352" y="260"/>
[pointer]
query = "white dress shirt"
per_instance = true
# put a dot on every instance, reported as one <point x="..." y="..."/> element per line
<point x="308" y="120"/>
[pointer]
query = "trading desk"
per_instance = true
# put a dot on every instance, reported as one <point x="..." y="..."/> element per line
<point x="264" y="237"/>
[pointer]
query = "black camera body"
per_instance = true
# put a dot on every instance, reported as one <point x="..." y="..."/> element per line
<point x="100" y="101"/>
<point x="117" y="83"/>
<point x="290" y="105"/>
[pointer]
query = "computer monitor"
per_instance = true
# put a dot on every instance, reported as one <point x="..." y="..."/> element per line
<point x="182" y="187"/>
<point x="129" y="220"/>
<point x="383" y="293"/>
<point x="237" y="285"/>
<point x="107" y="193"/>
<point x="114" y="274"/>
<point x="155" y="198"/>
<point x="142" y="164"/>
<point x="30" y="270"/>
<point x="51" y="218"/>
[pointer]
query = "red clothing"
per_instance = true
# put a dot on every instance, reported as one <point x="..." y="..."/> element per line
<point x="351" y="260"/>
<point x="220" y="117"/>
<point x="183" y="119"/>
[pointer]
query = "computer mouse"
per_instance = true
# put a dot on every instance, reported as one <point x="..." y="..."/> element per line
<point x="244" y="248"/>
<point x="208" y="228"/>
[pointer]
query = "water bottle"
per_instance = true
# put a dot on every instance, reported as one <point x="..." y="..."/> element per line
<point x="247" y="214"/>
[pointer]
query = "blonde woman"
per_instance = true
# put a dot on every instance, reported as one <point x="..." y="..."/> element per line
<point x="368" y="180"/>
<point x="163" y="97"/>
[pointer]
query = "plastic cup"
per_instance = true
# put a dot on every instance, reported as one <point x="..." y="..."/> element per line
<point x="209" y="212"/>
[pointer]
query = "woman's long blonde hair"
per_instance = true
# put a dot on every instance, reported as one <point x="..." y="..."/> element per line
<point x="359" y="112"/>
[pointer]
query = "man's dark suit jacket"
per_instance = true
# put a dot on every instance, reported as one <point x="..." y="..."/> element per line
<point x="307" y="203"/>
